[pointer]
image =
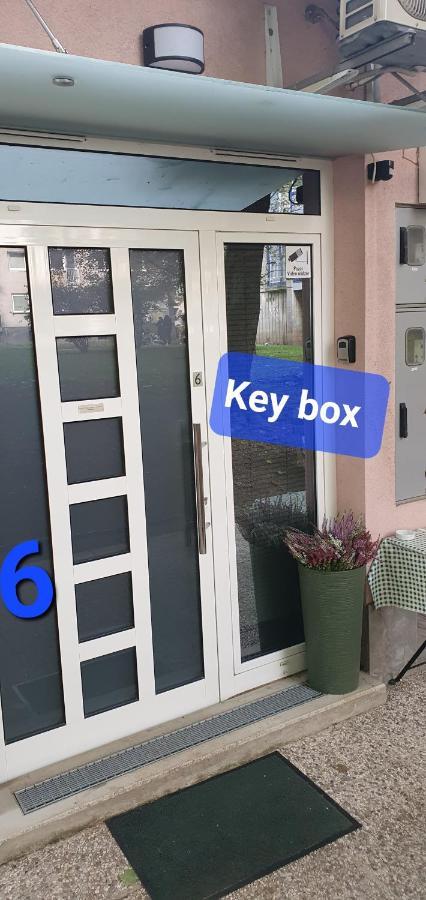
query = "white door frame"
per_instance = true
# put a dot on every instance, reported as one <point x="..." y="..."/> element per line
<point x="17" y="223"/>
<point x="79" y="733"/>
<point x="236" y="676"/>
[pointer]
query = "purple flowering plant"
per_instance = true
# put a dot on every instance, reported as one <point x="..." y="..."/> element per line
<point x="341" y="543"/>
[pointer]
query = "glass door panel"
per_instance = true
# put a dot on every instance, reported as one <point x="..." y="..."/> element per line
<point x="30" y="667"/>
<point x="99" y="529"/>
<point x="83" y="291"/>
<point x="130" y="640"/>
<point x="94" y="450"/>
<point x="273" y="486"/>
<point x="160" y="324"/>
<point x="109" y="681"/>
<point x="140" y="294"/>
<point x="104" y="606"/>
<point x="81" y="280"/>
<point x="88" y="367"/>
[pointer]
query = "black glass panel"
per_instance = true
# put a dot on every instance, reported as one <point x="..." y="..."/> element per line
<point x="104" y="606"/>
<point x="53" y="175"/>
<point x="30" y="670"/>
<point x="94" y="450"/>
<point x="99" y="528"/>
<point x="158" y="290"/>
<point x="81" y="280"/>
<point x="274" y="486"/>
<point x="109" y="681"/>
<point x="88" y="368"/>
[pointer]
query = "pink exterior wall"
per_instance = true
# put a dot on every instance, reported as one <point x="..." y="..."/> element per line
<point x="380" y="201"/>
<point x="234" y="32"/>
<point x="349" y="281"/>
<point x="365" y="306"/>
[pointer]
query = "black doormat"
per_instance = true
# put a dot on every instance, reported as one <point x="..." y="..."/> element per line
<point x="211" y="838"/>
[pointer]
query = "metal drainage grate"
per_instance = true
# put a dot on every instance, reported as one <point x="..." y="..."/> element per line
<point x="80" y="779"/>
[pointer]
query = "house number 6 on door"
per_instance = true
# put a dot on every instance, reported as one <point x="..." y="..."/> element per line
<point x="11" y="577"/>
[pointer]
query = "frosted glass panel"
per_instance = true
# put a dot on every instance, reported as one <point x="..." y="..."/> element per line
<point x="109" y="681"/>
<point x="81" y="281"/>
<point x="274" y="486"/>
<point x="108" y="179"/>
<point x="30" y="670"/>
<point x="94" y="450"/>
<point x="88" y="367"/>
<point x="158" y="289"/>
<point x="104" y="606"/>
<point x="99" y="529"/>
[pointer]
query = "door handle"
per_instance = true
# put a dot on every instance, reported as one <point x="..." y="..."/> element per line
<point x="199" y="489"/>
<point x="403" y="420"/>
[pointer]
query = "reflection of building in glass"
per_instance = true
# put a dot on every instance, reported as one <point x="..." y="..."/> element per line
<point x="275" y="266"/>
<point x="280" y="319"/>
<point x="14" y="298"/>
<point x="285" y="199"/>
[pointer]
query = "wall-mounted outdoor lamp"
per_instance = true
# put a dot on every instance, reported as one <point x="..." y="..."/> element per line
<point x="176" y="47"/>
<point x="382" y="170"/>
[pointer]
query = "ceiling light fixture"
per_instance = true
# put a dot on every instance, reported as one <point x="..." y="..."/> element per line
<point x="63" y="81"/>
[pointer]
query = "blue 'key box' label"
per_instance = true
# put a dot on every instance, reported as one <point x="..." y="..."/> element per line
<point x="278" y="401"/>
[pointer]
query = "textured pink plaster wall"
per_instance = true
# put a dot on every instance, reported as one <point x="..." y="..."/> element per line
<point x="365" y="306"/>
<point x="382" y="513"/>
<point x="349" y="279"/>
<point x="234" y="32"/>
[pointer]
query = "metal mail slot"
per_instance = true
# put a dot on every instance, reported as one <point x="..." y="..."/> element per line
<point x="90" y="408"/>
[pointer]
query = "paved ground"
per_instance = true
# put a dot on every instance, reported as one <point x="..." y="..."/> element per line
<point x="374" y="765"/>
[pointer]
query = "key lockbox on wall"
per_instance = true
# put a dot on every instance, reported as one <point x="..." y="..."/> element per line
<point x="410" y="354"/>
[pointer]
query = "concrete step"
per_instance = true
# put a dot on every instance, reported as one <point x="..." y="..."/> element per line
<point x="19" y="834"/>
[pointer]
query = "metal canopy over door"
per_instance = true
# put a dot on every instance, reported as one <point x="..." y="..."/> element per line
<point x="115" y="321"/>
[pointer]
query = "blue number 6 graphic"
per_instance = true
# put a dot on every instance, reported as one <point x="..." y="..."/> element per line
<point x="11" y="576"/>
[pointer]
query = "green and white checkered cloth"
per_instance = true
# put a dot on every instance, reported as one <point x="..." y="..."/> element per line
<point x="397" y="576"/>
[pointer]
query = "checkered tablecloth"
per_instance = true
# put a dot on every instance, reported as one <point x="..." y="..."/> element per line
<point x="397" y="576"/>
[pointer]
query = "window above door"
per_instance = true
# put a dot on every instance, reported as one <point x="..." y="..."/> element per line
<point x="53" y="175"/>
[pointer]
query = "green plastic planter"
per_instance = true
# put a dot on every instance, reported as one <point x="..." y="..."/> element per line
<point x="332" y="605"/>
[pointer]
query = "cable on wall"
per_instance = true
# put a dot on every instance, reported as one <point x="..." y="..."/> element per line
<point x="54" y="40"/>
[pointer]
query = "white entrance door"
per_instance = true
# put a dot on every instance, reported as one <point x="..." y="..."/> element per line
<point x="116" y="333"/>
<point x="267" y="302"/>
<point x="161" y="537"/>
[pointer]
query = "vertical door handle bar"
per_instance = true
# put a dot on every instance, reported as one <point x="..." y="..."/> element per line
<point x="403" y="420"/>
<point x="199" y="488"/>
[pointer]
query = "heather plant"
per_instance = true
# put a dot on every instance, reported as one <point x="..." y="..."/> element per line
<point x="341" y="543"/>
<point x="266" y="521"/>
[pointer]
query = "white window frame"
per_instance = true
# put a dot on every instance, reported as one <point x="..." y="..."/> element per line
<point x="16" y="254"/>
<point x="20" y="312"/>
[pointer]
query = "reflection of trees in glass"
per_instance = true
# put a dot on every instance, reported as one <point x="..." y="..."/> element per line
<point x="243" y="270"/>
<point x="284" y="199"/>
<point x="81" y="280"/>
<point x="27" y="313"/>
<point x="158" y="288"/>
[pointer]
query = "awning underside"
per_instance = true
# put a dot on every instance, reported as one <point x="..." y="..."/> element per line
<point x="121" y="101"/>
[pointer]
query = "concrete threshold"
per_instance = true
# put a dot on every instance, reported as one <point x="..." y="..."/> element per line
<point x="20" y="834"/>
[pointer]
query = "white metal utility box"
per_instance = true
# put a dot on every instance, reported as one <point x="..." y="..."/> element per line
<point x="410" y="354"/>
